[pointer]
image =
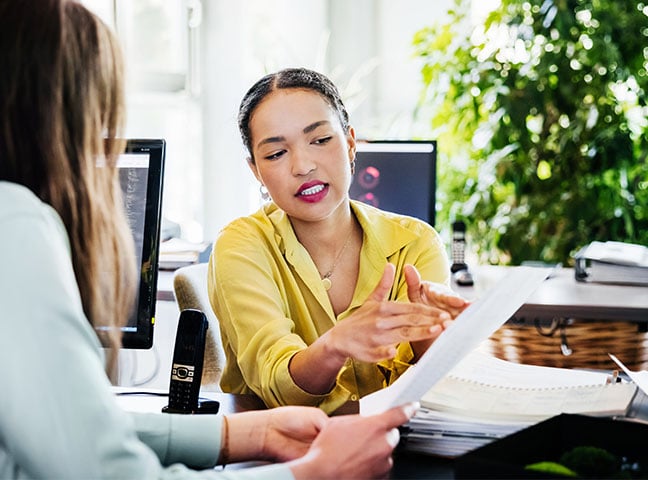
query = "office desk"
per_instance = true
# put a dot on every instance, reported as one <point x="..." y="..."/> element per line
<point x="407" y="465"/>
<point x="562" y="296"/>
<point x="152" y="400"/>
<point x="559" y="296"/>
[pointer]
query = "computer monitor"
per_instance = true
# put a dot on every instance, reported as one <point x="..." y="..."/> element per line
<point x="141" y="171"/>
<point x="397" y="176"/>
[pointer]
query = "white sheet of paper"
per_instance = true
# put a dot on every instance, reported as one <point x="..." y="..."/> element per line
<point x="639" y="378"/>
<point x="482" y="368"/>
<point x="472" y="326"/>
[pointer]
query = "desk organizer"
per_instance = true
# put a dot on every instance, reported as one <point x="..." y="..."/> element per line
<point x="548" y="440"/>
<point x="569" y="343"/>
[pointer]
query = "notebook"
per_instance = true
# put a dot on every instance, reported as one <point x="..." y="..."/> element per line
<point x="486" y="387"/>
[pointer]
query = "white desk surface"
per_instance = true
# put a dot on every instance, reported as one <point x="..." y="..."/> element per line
<point x="150" y="400"/>
<point x="561" y="295"/>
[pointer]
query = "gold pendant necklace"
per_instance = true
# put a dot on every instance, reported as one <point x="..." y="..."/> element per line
<point x="326" y="278"/>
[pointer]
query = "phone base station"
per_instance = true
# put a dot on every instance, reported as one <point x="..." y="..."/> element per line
<point x="205" y="406"/>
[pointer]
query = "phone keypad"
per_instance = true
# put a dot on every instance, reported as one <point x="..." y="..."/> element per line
<point x="180" y="391"/>
<point x="180" y="397"/>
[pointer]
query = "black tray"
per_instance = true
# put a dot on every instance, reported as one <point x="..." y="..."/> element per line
<point x="548" y="440"/>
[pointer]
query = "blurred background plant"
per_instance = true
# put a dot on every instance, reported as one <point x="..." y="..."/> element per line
<point x="541" y="116"/>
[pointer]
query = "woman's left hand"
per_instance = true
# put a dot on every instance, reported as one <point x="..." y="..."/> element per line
<point x="290" y="431"/>
<point x="277" y="434"/>
<point x="433" y="294"/>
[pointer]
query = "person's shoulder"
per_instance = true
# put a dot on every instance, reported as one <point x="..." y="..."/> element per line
<point x="20" y="204"/>
<point x="255" y="222"/>
<point x="16" y="199"/>
<point x="264" y="225"/>
<point x="26" y="222"/>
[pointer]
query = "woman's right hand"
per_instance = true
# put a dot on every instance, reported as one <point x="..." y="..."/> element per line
<point x="372" y="332"/>
<point x="353" y="446"/>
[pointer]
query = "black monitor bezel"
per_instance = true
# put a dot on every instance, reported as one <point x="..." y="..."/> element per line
<point x="433" y="170"/>
<point x="142" y="338"/>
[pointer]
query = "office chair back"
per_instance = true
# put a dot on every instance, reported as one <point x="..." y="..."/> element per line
<point x="190" y="287"/>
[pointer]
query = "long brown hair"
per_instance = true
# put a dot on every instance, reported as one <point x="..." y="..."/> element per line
<point x="62" y="113"/>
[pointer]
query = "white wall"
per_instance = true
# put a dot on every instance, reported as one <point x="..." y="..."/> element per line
<point x="242" y="41"/>
<point x="372" y="39"/>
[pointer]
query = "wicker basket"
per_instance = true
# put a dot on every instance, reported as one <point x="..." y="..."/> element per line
<point x="570" y="343"/>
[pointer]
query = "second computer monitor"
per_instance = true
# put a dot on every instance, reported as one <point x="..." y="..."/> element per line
<point x="397" y="176"/>
<point x="141" y="173"/>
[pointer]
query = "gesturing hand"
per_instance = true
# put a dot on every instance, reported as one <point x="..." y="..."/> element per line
<point x="432" y="294"/>
<point x="372" y="332"/>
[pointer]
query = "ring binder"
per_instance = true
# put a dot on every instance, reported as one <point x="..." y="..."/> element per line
<point x="612" y="262"/>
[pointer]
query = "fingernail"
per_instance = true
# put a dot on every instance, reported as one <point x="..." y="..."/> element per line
<point x="411" y="408"/>
<point x="393" y="436"/>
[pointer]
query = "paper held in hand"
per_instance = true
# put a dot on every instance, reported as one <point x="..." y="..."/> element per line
<point x="469" y="329"/>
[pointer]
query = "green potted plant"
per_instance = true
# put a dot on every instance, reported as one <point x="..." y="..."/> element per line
<point x="541" y="117"/>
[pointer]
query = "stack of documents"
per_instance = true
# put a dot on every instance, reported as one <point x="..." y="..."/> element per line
<point x="485" y="398"/>
<point x="176" y="253"/>
<point x="448" y="435"/>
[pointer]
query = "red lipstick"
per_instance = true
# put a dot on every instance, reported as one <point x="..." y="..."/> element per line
<point x="312" y="192"/>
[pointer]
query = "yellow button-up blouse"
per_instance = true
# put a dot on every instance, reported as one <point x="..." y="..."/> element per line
<point x="271" y="303"/>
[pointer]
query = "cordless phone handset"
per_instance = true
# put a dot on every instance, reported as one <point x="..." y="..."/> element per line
<point x="187" y="365"/>
<point x="458" y="247"/>
<point x="459" y="267"/>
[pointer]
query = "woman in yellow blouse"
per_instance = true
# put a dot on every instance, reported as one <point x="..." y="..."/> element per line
<point x="321" y="299"/>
